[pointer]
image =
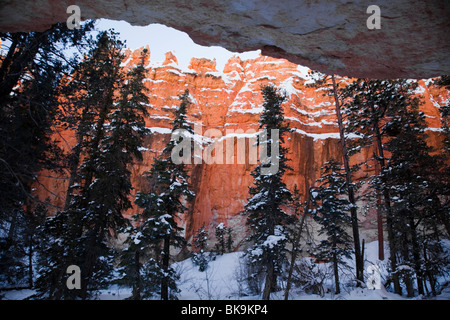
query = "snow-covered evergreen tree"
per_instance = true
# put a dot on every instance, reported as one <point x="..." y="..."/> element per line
<point x="220" y="237"/>
<point x="332" y="213"/>
<point x="230" y="240"/>
<point x="31" y="70"/>
<point x="365" y="108"/>
<point x="224" y="238"/>
<point x="102" y="185"/>
<point x="18" y="245"/>
<point x="265" y="212"/>
<point x="332" y="86"/>
<point x="164" y="202"/>
<point x="200" y="257"/>
<point x="385" y="114"/>
<point x="444" y="81"/>
<point x="413" y="177"/>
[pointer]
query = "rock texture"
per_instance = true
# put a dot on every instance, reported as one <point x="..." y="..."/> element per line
<point x="231" y="100"/>
<point x="330" y="36"/>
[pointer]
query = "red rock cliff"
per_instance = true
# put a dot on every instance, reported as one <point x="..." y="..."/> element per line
<point x="231" y="100"/>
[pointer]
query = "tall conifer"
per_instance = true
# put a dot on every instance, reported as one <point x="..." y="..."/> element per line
<point x="266" y="216"/>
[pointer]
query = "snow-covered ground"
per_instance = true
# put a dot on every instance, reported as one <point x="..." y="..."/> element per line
<point x="224" y="280"/>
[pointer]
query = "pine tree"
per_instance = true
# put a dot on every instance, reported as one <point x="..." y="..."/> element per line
<point x="200" y="257"/>
<point x="30" y="74"/>
<point x="18" y="248"/>
<point x="367" y="102"/>
<point x="29" y="90"/>
<point x="224" y="237"/>
<point x="265" y="214"/>
<point x="444" y="82"/>
<point x="386" y="115"/>
<point x="220" y="237"/>
<point x="230" y="241"/>
<point x="136" y="269"/>
<point x="413" y="177"/>
<point x="110" y="190"/>
<point x="295" y="234"/>
<point x="110" y="140"/>
<point x="94" y="203"/>
<point x="332" y="215"/>
<point x="59" y="236"/>
<point x="332" y="89"/>
<point x="164" y="202"/>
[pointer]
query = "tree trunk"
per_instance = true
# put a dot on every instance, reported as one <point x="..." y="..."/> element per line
<point x="359" y="260"/>
<point x="295" y="246"/>
<point x="416" y="255"/>
<point x="74" y="160"/>
<point x="165" y="265"/>
<point x="442" y="215"/>
<point x="387" y="204"/>
<point x="137" y="279"/>
<point x="379" y="213"/>
<point x="336" y="274"/>
<point x="90" y="260"/>
<point x="407" y="275"/>
<point x="269" y="283"/>
<point x="97" y="139"/>
<point x="428" y="272"/>
<point x="73" y="168"/>
<point x="30" y="261"/>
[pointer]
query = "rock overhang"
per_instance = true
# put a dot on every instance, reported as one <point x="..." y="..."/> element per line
<point x="331" y="36"/>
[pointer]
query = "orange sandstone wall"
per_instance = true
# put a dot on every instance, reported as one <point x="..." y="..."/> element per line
<point x="231" y="100"/>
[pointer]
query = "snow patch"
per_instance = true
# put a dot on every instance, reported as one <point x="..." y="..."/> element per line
<point x="159" y="130"/>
